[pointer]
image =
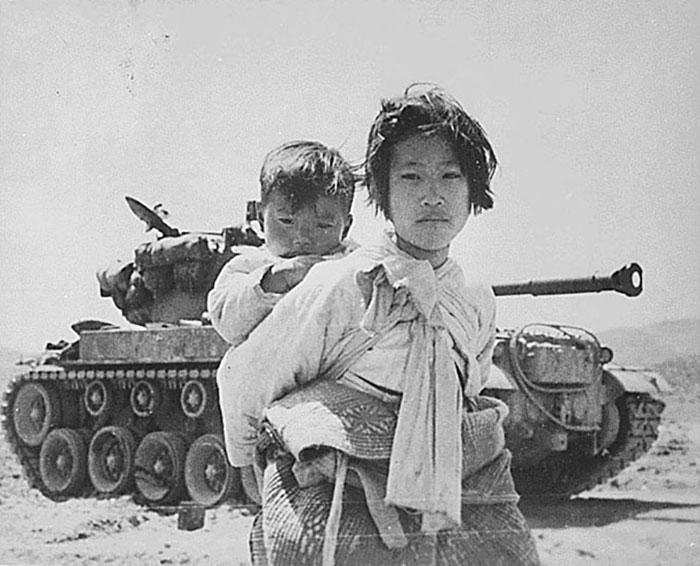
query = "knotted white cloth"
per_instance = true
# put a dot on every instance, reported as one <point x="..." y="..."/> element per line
<point x="425" y="471"/>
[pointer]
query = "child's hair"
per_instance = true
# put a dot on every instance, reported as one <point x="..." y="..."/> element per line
<point x="429" y="110"/>
<point x="303" y="171"/>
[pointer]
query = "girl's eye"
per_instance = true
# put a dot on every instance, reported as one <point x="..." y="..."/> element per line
<point x="325" y="226"/>
<point x="453" y="175"/>
<point x="409" y="176"/>
<point x="285" y="221"/>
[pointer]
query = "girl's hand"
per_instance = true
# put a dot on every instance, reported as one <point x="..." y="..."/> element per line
<point x="250" y="484"/>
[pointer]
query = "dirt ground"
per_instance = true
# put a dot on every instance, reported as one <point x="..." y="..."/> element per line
<point x="649" y="515"/>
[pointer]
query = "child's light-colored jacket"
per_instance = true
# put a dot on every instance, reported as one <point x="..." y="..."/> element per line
<point x="237" y="303"/>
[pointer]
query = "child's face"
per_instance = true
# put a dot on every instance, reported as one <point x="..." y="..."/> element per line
<point x="313" y="229"/>
<point x="428" y="196"/>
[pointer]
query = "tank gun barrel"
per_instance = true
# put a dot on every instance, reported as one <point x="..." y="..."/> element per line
<point x="626" y="280"/>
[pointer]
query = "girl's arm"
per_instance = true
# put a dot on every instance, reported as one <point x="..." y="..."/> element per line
<point x="487" y="335"/>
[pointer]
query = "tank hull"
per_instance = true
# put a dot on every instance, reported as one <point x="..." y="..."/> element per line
<point x="138" y="415"/>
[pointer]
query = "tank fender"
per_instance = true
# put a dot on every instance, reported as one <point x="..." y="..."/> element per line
<point x="499" y="380"/>
<point x="635" y="380"/>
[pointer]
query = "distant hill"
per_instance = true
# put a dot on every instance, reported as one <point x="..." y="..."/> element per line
<point x="683" y="374"/>
<point x="653" y="344"/>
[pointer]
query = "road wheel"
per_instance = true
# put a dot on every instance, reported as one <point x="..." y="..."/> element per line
<point x="63" y="462"/>
<point x="209" y="477"/>
<point x="194" y="399"/>
<point x="111" y="460"/>
<point x="160" y="467"/>
<point x="145" y="398"/>
<point x="36" y="410"/>
<point x="99" y="398"/>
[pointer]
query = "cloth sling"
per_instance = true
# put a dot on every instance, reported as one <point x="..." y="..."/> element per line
<point x="354" y="345"/>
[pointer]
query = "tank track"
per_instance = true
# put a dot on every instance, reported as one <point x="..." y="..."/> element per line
<point x="71" y="382"/>
<point x="562" y="475"/>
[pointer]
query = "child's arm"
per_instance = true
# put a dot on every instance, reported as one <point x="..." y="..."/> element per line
<point x="288" y="273"/>
<point x="238" y="303"/>
<point x="242" y="298"/>
<point x="286" y="350"/>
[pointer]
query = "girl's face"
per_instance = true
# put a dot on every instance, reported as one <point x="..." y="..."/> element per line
<point x="428" y="197"/>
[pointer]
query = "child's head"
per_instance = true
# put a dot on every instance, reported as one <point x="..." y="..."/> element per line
<point x="428" y="165"/>
<point x="306" y="192"/>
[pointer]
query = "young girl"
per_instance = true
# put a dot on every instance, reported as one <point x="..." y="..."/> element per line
<point x="404" y="345"/>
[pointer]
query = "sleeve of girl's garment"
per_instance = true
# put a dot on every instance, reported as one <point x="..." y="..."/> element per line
<point x="283" y="352"/>
<point x="487" y="334"/>
<point x="237" y="303"/>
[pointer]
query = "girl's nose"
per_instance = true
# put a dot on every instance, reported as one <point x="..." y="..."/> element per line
<point x="433" y="195"/>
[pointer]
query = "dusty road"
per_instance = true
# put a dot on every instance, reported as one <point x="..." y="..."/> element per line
<point x="647" y="516"/>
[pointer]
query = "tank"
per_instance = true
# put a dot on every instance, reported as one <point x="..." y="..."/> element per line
<point x="135" y="411"/>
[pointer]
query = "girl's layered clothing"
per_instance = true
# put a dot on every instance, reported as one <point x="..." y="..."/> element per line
<point x="430" y="337"/>
<point x="436" y="335"/>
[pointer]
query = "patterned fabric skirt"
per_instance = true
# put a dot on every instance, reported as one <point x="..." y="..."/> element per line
<point x="290" y="529"/>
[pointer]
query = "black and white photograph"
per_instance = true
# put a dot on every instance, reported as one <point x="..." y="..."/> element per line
<point x="373" y="283"/>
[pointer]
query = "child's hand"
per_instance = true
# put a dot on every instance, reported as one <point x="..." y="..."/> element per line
<point x="287" y="274"/>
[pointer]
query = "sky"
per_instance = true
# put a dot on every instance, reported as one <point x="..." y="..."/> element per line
<point x="592" y="108"/>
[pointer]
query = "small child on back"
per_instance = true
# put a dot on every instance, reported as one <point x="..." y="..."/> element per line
<point x="306" y="193"/>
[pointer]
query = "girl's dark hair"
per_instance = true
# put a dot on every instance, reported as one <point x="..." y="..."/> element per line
<point x="305" y="170"/>
<point x="427" y="109"/>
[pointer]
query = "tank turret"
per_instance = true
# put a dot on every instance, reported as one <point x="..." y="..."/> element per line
<point x="169" y="278"/>
<point x="135" y="411"/>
